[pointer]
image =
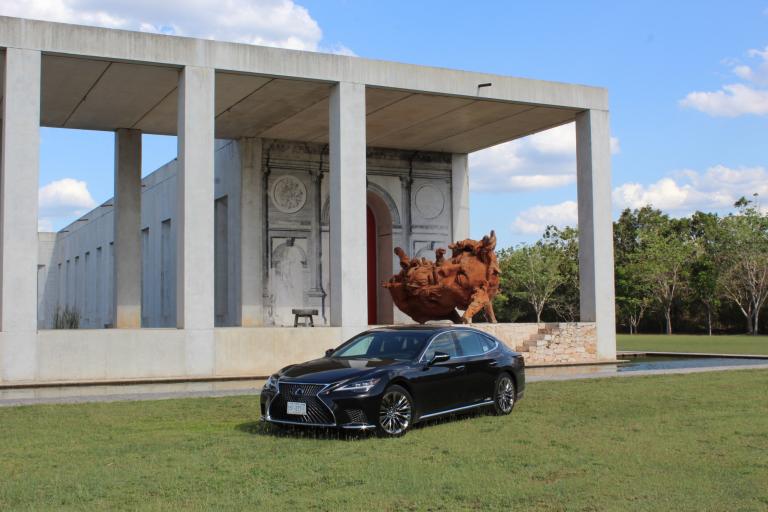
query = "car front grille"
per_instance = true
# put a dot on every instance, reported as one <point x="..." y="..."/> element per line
<point x="317" y="412"/>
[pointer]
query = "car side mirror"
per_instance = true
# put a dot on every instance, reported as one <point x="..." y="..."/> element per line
<point x="439" y="357"/>
<point x="329" y="352"/>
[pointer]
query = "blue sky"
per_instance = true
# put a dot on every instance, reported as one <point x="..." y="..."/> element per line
<point x="688" y="84"/>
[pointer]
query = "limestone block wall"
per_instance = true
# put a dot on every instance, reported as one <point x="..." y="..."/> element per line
<point x="548" y="343"/>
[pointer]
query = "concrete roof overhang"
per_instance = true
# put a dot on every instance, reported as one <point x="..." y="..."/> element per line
<point x="104" y="79"/>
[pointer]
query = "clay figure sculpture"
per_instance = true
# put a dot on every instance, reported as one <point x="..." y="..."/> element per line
<point x="468" y="281"/>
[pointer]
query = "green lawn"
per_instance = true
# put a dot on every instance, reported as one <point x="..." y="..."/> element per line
<point x="694" y="343"/>
<point x="685" y="442"/>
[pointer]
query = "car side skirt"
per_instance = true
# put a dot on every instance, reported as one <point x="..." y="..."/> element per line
<point x="456" y="409"/>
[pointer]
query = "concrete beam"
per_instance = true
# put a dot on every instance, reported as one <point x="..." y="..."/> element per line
<point x="348" y="208"/>
<point x="251" y="312"/>
<point x="195" y="217"/>
<point x="460" y="196"/>
<point x="19" y="177"/>
<point x="593" y="164"/>
<point x="127" y="230"/>
<point x="67" y="39"/>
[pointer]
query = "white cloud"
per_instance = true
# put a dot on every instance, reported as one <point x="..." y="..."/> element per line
<point x="758" y="74"/>
<point x="61" y="200"/>
<point x="544" y="160"/>
<point x="45" y="225"/>
<point x="681" y="193"/>
<point x="715" y="189"/>
<point x="736" y="99"/>
<point x="280" y="23"/>
<point x="340" y="49"/>
<point x="615" y="146"/>
<point x="731" y="101"/>
<point x="534" y="220"/>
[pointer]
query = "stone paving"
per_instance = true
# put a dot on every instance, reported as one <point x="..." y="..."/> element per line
<point x="165" y="391"/>
<point x="127" y="392"/>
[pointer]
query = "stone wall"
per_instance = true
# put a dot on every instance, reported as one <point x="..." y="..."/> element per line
<point x="109" y="355"/>
<point x="409" y="194"/>
<point x="548" y="343"/>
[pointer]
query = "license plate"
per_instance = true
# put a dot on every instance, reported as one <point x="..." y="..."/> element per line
<point x="297" y="408"/>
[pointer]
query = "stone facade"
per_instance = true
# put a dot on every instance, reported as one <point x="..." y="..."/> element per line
<point x="548" y="343"/>
<point x="409" y="195"/>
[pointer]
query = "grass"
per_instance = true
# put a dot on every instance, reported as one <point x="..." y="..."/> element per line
<point x="729" y="344"/>
<point x="685" y="442"/>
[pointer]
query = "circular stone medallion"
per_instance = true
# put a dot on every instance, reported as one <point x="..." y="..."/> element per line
<point x="289" y="194"/>
<point x="429" y="201"/>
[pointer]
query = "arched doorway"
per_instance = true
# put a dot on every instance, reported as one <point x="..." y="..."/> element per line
<point x="379" y="259"/>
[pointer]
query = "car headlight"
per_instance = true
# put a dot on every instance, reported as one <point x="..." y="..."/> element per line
<point x="271" y="382"/>
<point x="361" y="386"/>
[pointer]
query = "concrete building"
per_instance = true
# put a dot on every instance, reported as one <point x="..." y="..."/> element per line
<point x="296" y="175"/>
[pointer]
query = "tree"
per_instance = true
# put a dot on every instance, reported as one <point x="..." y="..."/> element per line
<point x="705" y="280"/>
<point x="743" y="261"/>
<point x="658" y="252"/>
<point x="565" y="301"/>
<point x="651" y="252"/>
<point x="533" y="273"/>
<point x="632" y="294"/>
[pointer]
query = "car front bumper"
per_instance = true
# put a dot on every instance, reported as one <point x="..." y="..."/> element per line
<point x="348" y="411"/>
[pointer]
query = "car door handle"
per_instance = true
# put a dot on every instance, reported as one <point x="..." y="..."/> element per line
<point x="492" y="363"/>
<point x="460" y="367"/>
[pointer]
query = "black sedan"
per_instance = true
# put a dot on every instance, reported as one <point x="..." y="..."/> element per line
<point x="390" y="378"/>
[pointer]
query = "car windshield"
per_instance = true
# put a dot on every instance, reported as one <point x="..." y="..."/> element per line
<point x="400" y="345"/>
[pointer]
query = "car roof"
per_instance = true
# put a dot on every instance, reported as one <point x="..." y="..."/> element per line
<point x="421" y="327"/>
<point x="437" y="328"/>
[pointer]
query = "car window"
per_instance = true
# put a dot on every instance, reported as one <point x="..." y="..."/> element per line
<point x="473" y="344"/>
<point x="360" y="348"/>
<point x="443" y="343"/>
<point x="401" y="345"/>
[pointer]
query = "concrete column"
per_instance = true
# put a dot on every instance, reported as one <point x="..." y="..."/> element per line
<point x="18" y="214"/>
<point x="316" y="291"/>
<point x="593" y="163"/>
<point x="127" y="222"/>
<point x="460" y="196"/>
<point x="195" y="217"/>
<point x="347" y="185"/>
<point x="251" y="238"/>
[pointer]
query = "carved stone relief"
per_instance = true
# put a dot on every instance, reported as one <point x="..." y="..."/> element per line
<point x="429" y="201"/>
<point x="288" y="278"/>
<point x="288" y="194"/>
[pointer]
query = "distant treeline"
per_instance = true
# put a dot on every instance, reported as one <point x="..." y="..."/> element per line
<point x="700" y="274"/>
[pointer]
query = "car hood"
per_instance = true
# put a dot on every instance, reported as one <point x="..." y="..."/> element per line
<point x="328" y="370"/>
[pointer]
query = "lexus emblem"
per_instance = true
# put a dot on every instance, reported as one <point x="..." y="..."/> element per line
<point x="298" y="392"/>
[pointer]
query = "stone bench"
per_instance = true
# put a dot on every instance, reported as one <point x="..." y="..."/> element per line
<point x="303" y="313"/>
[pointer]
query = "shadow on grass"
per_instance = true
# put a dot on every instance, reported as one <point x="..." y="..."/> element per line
<point x="262" y="428"/>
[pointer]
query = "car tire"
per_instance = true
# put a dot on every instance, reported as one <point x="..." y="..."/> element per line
<point x="504" y="393"/>
<point x="396" y="412"/>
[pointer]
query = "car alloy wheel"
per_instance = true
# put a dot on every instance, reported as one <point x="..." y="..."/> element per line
<point x="504" y="395"/>
<point x="395" y="411"/>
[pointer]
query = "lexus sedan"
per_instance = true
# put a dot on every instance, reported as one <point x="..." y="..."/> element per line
<point x="389" y="378"/>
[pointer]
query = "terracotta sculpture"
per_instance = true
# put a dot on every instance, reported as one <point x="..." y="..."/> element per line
<point x="469" y="280"/>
